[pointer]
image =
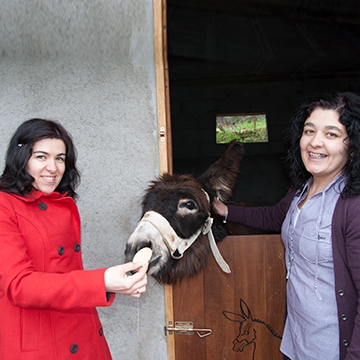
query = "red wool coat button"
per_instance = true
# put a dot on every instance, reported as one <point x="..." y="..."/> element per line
<point x="77" y="247"/>
<point x="101" y="331"/>
<point x="42" y="206"/>
<point x="74" y="348"/>
<point x="61" y="250"/>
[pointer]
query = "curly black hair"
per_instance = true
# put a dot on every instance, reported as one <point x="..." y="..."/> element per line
<point x="15" y="178"/>
<point x="347" y="105"/>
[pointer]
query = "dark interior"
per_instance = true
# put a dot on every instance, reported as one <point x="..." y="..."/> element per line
<point x="228" y="56"/>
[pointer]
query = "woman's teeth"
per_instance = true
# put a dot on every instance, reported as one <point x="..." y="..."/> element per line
<point x="316" y="156"/>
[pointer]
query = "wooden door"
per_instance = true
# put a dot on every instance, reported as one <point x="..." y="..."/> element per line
<point x="254" y="291"/>
<point x="245" y="309"/>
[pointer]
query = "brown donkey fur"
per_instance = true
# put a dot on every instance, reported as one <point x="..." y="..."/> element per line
<point x="182" y="201"/>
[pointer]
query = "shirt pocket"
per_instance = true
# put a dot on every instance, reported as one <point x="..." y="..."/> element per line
<point x="316" y="246"/>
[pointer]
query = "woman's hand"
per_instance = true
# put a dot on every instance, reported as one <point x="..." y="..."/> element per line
<point x="118" y="280"/>
<point x="220" y="207"/>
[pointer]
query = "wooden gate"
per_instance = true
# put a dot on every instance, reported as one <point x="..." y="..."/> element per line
<point x="245" y="309"/>
<point x="233" y="316"/>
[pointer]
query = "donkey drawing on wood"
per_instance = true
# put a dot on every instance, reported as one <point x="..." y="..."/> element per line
<point x="249" y="329"/>
<point x="177" y="218"/>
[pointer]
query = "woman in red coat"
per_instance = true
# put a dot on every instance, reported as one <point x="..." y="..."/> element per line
<point x="47" y="299"/>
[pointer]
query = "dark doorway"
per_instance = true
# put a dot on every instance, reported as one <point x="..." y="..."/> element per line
<point x="254" y="57"/>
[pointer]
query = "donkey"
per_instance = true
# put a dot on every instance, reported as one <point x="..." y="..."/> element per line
<point x="248" y="329"/>
<point x="177" y="219"/>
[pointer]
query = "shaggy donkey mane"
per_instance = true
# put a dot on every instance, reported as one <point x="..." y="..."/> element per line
<point x="185" y="202"/>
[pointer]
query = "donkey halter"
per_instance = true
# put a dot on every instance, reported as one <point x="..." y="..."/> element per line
<point x="178" y="245"/>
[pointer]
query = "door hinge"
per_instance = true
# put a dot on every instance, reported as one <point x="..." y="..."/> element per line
<point x="162" y="133"/>
<point x="186" y="328"/>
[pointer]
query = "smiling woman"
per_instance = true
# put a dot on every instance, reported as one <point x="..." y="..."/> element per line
<point x="324" y="148"/>
<point x="44" y="290"/>
<point x="319" y="224"/>
<point x="31" y="136"/>
<point x="47" y="164"/>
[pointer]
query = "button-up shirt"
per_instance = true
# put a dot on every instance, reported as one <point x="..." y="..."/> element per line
<point x="312" y="322"/>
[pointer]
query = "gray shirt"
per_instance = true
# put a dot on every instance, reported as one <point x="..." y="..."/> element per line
<point x="311" y="328"/>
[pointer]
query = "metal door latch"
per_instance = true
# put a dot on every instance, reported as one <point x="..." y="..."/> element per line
<point x="186" y="328"/>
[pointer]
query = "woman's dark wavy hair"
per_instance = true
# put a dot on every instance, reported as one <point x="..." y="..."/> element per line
<point x="15" y="178"/>
<point x="347" y="105"/>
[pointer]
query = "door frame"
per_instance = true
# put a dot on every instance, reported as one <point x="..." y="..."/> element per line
<point x="164" y="129"/>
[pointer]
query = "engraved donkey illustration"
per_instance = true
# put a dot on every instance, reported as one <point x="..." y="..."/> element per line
<point x="248" y="329"/>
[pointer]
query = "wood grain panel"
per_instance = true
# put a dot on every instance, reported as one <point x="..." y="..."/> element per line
<point x="254" y="291"/>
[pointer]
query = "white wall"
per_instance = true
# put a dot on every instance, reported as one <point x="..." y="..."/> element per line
<point x="90" y="65"/>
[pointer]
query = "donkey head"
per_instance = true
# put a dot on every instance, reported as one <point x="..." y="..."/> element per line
<point x="177" y="215"/>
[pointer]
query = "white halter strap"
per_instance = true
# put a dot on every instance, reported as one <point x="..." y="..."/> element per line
<point x="176" y="243"/>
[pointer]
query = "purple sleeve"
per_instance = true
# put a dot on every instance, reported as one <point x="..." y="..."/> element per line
<point x="352" y="251"/>
<point x="267" y="218"/>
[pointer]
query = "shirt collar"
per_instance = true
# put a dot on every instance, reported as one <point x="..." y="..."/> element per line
<point x="340" y="181"/>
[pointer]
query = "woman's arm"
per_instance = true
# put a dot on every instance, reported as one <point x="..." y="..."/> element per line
<point x="25" y="286"/>
<point x="352" y="244"/>
<point x="267" y="218"/>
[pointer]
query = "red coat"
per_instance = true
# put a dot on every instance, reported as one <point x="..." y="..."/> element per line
<point x="47" y="300"/>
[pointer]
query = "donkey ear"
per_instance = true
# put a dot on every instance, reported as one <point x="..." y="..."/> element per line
<point x="220" y="179"/>
<point x="245" y="311"/>
<point x="233" y="316"/>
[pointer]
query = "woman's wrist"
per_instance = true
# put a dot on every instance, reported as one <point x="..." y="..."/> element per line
<point x="226" y="215"/>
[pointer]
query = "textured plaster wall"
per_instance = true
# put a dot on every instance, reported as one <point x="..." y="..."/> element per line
<point x="90" y="65"/>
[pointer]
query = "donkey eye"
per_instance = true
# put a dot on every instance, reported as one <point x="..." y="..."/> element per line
<point x="189" y="204"/>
